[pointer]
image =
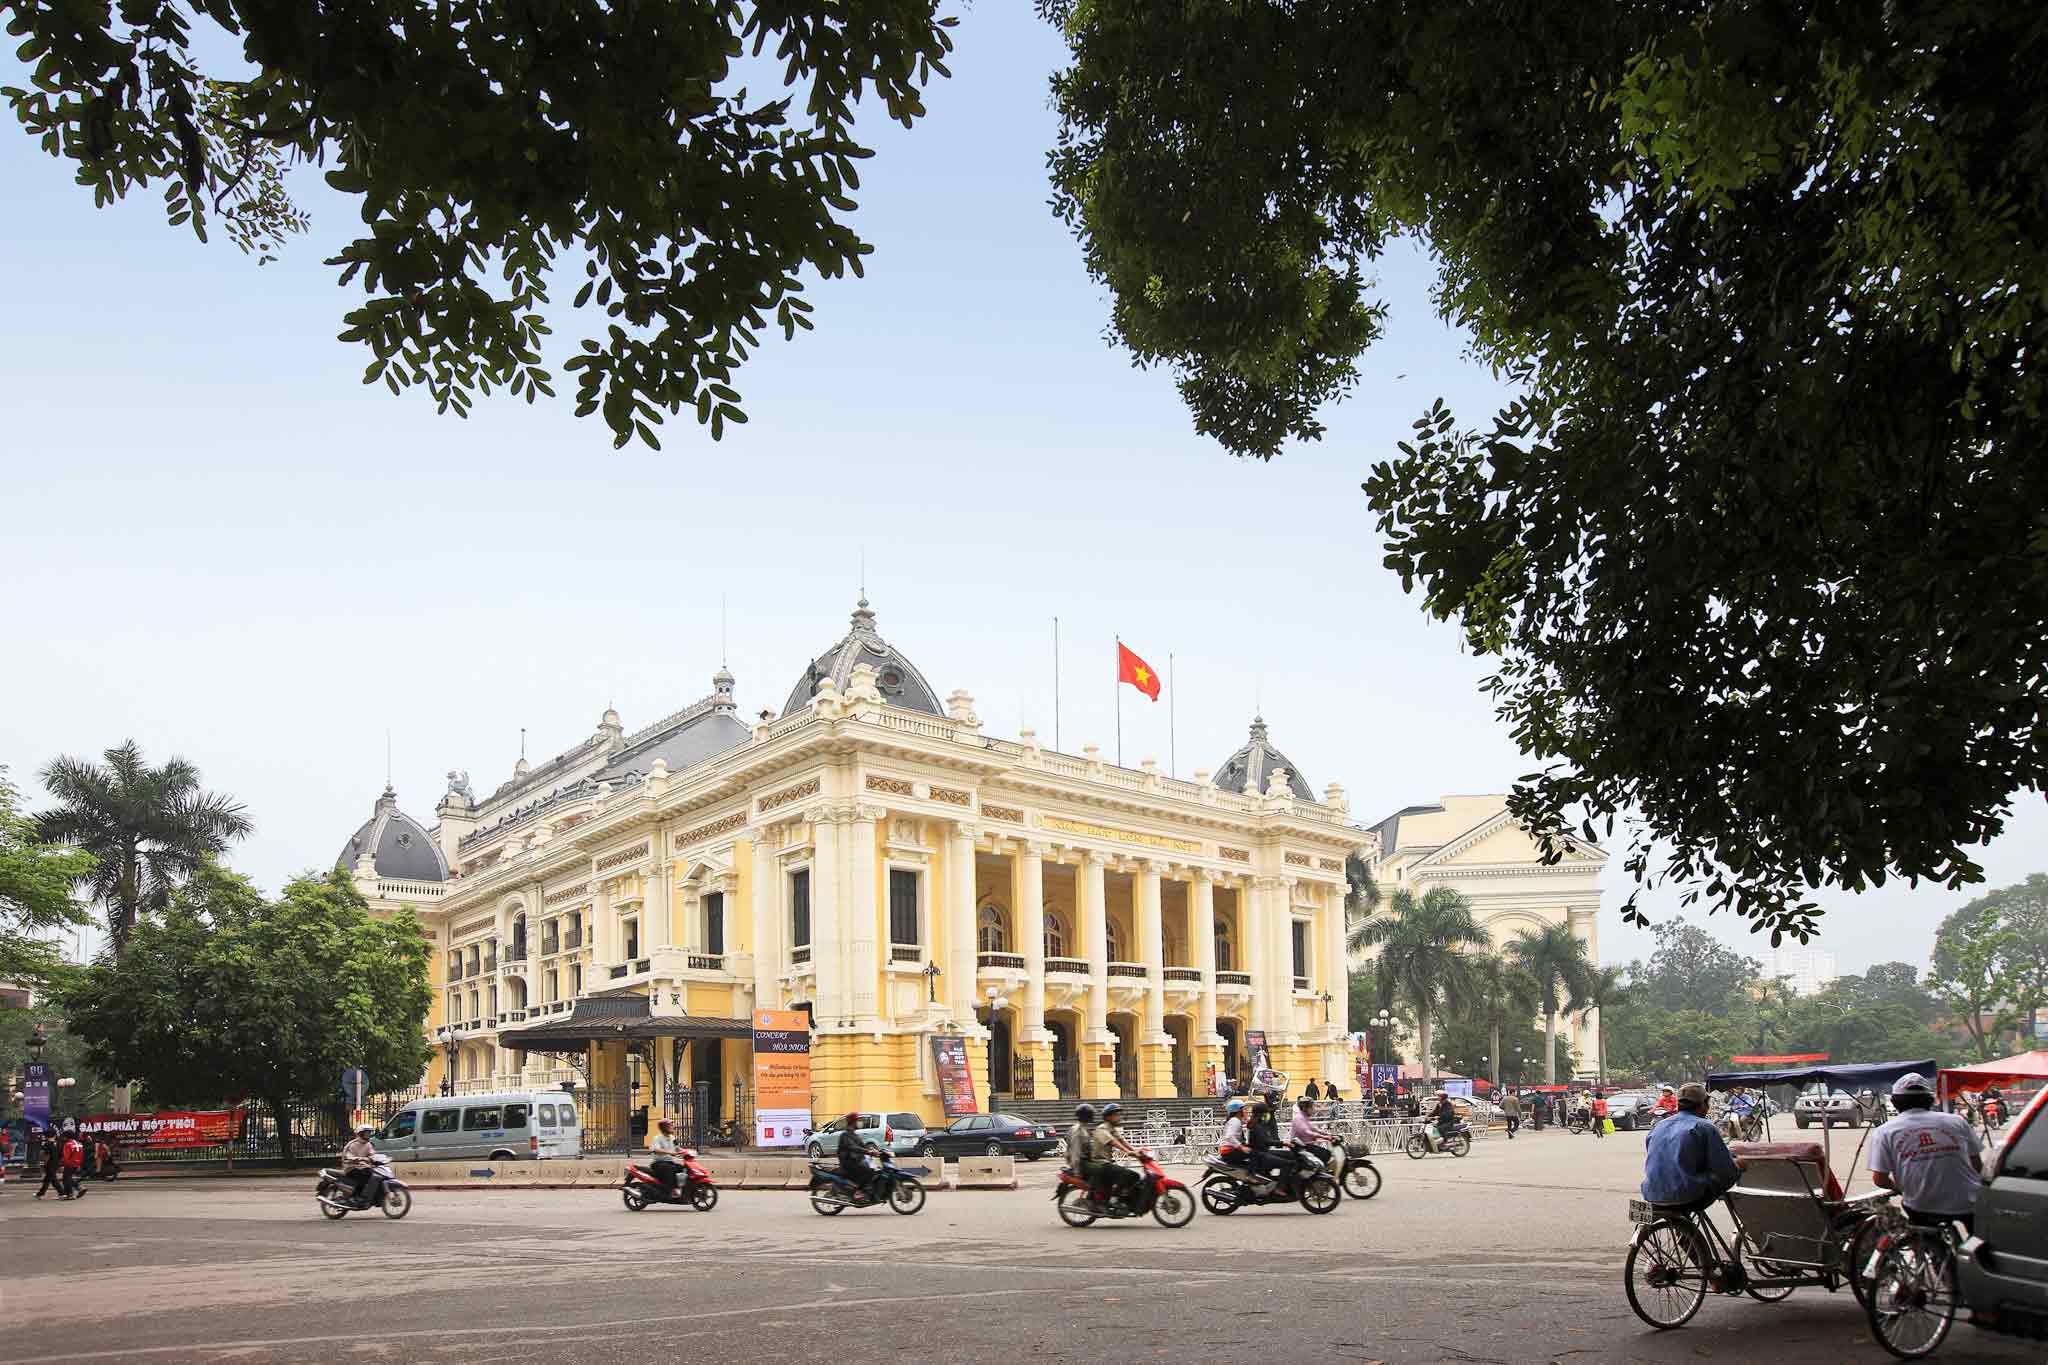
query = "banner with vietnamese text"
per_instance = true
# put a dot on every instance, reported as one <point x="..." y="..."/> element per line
<point x="782" y="1077"/>
<point x="165" y="1128"/>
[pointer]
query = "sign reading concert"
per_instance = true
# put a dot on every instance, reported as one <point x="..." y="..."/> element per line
<point x="782" y="1077"/>
<point x="164" y="1129"/>
<point x="956" y="1079"/>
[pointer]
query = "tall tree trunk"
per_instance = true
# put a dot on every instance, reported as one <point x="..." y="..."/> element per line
<point x="1423" y="1031"/>
<point x="280" y="1114"/>
<point x="1600" y="1041"/>
<point x="1550" y="1045"/>
<point x="1496" y="1054"/>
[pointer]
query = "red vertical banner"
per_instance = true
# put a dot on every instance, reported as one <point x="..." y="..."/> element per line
<point x="956" y="1077"/>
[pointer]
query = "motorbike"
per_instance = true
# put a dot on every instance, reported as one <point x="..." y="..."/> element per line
<point x="1581" y="1121"/>
<point x="694" y="1187"/>
<point x="1227" y="1188"/>
<point x="1458" y="1142"/>
<point x="833" y="1193"/>
<point x="1353" y="1171"/>
<point x="1158" y="1194"/>
<point x="335" y="1201"/>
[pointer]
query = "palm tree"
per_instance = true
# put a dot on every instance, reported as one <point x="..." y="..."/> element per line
<point x="1423" y="958"/>
<point x="1558" y="960"/>
<point x="1602" y="987"/>
<point x="1361" y="899"/>
<point x="148" y="829"/>
<point x="1502" y="994"/>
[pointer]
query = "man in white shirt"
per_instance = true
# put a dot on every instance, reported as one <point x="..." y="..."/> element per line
<point x="663" y="1146"/>
<point x="1934" y="1160"/>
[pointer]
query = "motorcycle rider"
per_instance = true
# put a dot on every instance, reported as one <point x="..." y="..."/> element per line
<point x="853" y="1155"/>
<point x="359" y="1169"/>
<point x="1445" y="1117"/>
<point x="1234" y="1146"/>
<point x="1269" y="1154"/>
<point x="1306" y="1135"/>
<point x="665" y="1166"/>
<point x="1077" y="1140"/>
<point x="1110" y="1179"/>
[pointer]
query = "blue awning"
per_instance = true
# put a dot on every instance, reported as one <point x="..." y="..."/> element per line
<point x="1842" y="1076"/>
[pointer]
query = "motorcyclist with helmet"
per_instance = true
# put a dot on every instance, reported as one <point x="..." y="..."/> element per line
<point x="1269" y="1154"/>
<point x="1311" y="1139"/>
<point x="1234" y="1146"/>
<point x="854" y="1153"/>
<point x="359" y="1169"/>
<point x="1077" y="1140"/>
<point x="1110" y="1179"/>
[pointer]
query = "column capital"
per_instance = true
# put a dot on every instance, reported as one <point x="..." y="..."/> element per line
<point x="1034" y="848"/>
<point x="966" y="829"/>
<point x="1094" y="857"/>
<point x="866" y="814"/>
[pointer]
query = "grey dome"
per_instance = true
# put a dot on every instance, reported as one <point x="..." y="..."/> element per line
<point x="1248" y="769"/>
<point x="897" y="678"/>
<point x="403" y="849"/>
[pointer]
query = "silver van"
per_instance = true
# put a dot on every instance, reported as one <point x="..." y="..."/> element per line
<point x="510" y="1125"/>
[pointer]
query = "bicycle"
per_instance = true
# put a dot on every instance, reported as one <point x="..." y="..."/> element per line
<point x="1912" y="1285"/>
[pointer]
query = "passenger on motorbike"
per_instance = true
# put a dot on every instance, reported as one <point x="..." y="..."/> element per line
<point x="853" y="1155"/>
<point x="1077" y="1140"/>
<point x="663" y="1144"/>
<point x="1269" y="1154"/>
<point x="1306" y="1135"/>
<point x="1234" y="1145"/>
<point x="359" y="1169"/>
<point x="1110" y="1179"/>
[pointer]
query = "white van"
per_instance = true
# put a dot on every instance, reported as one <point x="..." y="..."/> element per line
<point x="508" y="1125"/>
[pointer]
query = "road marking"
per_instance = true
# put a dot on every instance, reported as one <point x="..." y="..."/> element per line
<point x="428" y="1333"/>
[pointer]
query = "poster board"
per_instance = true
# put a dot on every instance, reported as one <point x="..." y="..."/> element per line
<point x="782" y="1077"/>
<point x="956" y="1077"/>
<point x="164" y="1129"/>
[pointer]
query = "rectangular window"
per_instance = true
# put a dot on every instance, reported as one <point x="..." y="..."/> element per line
<point x="567" y="1113"/>
<point x="714" y="923"/>
<point x="515" y="1115"/>
<point x="547" y="1115"/>
<point x="401" y="1125"/>
<point x="481" y="1118"/>
<point x="903" y="918"/>
<point x="439" y="1120"/>
<point x="632" y="939"/>
<point x="1301" y="948"/>
<point x="800" y="908"/>
<point x="576" y="979"/>
<point x="554" y="987"/>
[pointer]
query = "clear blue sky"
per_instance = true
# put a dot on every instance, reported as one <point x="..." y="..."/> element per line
<point x="222" y="544"/>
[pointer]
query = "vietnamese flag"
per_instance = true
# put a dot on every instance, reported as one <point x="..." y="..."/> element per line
<point x="1135" y="671"/>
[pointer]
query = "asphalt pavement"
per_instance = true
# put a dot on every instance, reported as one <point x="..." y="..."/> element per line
<point x="1513" y="1254"/>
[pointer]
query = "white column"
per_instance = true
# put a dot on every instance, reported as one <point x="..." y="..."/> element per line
<point x="1255" y="915"/>
<point x="659" y="931"/>
<point x="1336" y="962"/>
<point x="1281" y="961"/>
<point x="769" y="934"/>
<point x="1031" y="929"/>
<point x="827" y="914"/>
<point x="863" y="929"/>
<point x="959" y="911"/>
<point x="1585" y="922"/>
<point x="603" y="936"/>
<point x="1152" y="952"/>
<point x="1095" y="925"/>
<point x="1202" y="893"/>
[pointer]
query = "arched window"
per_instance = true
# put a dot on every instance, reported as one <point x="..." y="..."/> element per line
<point x="1224" y="963"/>
<point x="1055" y="934"/>
<point x="992" y="934"/>
<point x="519" y="938"/>
<point x="1116" y="943"/>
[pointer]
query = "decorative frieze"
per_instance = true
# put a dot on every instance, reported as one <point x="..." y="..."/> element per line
<point x="623" y="856"/>
<point x="775" y="800"/>
<point x="1330" y="864"/>
<point x="952" y="796"/>
<point x="726" y="825"/>
<point x="566" y="893"/>
<point x="1124" y="836"/>
<point x="1009" y="813"/>
<point x="1298" y="860"/>
<point x="475" y="926"/>
<point x="894" y="786"/>
<point x="1235" y="855"/>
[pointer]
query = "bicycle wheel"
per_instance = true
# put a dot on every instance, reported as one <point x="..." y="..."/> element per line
<point x="1913" y="1295"/>
<point x="1861" y="1246"/>
<point x="1745" y="1255"/>
<point x="1362" y="1180"/>
<point x="907" y="1197"/>
<point x="1666" y="1274"/>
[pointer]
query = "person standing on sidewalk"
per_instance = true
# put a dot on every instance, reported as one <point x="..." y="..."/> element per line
<point x="1511" y="1107"/>
<point x="74" y="1163"/>
<point x="1599" y="1114"/>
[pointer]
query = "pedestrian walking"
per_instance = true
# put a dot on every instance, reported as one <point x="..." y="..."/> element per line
<point x="1599" y="1115"/>
<point x="1312" y="1093"/>
<point x="73" y="1159"/>
<point x="1512" y="1109"/>
<point x="53" y="1166"/>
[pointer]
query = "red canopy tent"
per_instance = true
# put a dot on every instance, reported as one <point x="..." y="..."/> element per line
<point x="2018" y="1069"/>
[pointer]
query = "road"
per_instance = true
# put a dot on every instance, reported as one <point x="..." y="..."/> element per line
<point x="1511" y="1255"/>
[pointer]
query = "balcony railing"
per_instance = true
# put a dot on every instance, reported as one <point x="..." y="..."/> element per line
<point x="643" y="965"/>
<point x="1301" y="983"/>
<point x="905" y="952"/>
<point x="800" y="955"/>
<point x="550" y="946"/>
<point x="705" y="962"/>
<point x="618" y="970"/>
<point x="1066" y="966"/>
<point x="1013" y="961"/>
<point x="491" y="962"/>
<point x="516" y="953"/>
<point x="1136" y="969"/>
<point x="1233" y="978"/>
<point x="572" y="939"/>
<point x="1184" y="974"/>
<point x="513" y="1017"/>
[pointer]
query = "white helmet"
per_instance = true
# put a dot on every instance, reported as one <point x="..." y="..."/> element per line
<point x="1912" y="1083"/>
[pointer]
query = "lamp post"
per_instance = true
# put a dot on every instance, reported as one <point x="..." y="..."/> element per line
<point x="1325" y="998"/>
<point x="1384" y="1022"/>
<point x="931" y="982"/>
<point x="446" y="1037"/>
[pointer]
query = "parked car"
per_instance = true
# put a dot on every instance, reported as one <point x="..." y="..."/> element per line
<point x="1632" y="1109"/>
<point x="2002" y="1274"/>
<point x="900" y="1133"/>
<point x="993" y="1135"/>
<point x="1830" y="1108"/>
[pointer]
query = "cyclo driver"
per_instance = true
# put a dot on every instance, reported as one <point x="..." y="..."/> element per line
<point x="853" y="1155"/>
<point x="1934" y="1160"/>
<point x="1687" y="1162"/>
<point x="359" y="1168"/>
<point x="1110" y="1179"/>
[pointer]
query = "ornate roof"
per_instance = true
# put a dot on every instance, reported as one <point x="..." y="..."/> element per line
<point x="900" y="682"/>
<point x="402" y="849"/>
<point x="1248" y="769"/>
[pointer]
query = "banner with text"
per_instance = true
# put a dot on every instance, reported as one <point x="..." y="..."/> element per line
<point x="956" y="1077"/>
<point x="165" y="1128"/>
<point x="36" y="1081"/>
<point x="1386" y="1076"/>
<point x="782" y="1077"/>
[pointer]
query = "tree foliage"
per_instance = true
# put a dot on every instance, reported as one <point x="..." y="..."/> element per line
<point x="228" y="995"/>
<point x="36" y="905"/>
<point x="493" y="138"/>
<point x="147" y="829"/>
<point x="1556" y="960"/>
<point x="1760" y="547"/>
<point x="1423" y="960"/>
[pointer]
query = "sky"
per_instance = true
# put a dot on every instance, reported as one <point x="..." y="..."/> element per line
<point x="221" y="544"/>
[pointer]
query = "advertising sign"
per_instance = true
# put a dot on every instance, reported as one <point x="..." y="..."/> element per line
<point x="1458" y="1085"/>
<point x="1255" y="1047"/>
<point x="165" y="1128"/>
<point x="782" y="1077"/>
<point x="37" y="1080"/>
<point x="956" y="1078"/>
<point x="1385" y="1075"/>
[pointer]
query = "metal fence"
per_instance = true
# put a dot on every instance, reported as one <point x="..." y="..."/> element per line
<point x="1192" y="1141"/>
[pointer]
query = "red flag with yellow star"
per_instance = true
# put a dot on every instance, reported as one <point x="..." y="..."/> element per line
<point x="1135" y="671"/>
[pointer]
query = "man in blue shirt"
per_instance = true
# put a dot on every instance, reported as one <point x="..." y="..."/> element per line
<point x="1687" y="1162"/>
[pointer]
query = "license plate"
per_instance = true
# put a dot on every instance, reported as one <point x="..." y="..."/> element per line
<point x="1640" y="1212"/>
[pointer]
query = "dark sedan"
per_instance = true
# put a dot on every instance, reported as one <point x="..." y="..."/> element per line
<point x="992" y="1135"/>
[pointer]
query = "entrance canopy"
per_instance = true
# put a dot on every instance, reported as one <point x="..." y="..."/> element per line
<point x="1841" y="1076"/>
<point x="616" y="1018"/>
<point x="2017" y="1069"/>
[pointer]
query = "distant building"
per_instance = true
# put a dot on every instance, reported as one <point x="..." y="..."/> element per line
<point x="1808" y="971"/>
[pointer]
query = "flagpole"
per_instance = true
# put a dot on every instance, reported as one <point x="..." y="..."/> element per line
<point x="1172" y="695"/>
<point x="1056" y="685"/>
<point x="1119" y="702"/>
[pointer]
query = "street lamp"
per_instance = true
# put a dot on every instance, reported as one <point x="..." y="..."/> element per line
<point x="1325" y="998"/>
<point x="931" y="982"/>
<point x="446" y="1037"/>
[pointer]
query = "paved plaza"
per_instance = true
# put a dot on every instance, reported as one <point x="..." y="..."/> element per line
<point x="1511" y="1255"/>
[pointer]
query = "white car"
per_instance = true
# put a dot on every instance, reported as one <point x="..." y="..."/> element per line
<point x="1833" y="1109"/>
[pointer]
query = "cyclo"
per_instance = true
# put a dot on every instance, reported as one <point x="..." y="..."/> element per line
<point x="1794" y="1227"/>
